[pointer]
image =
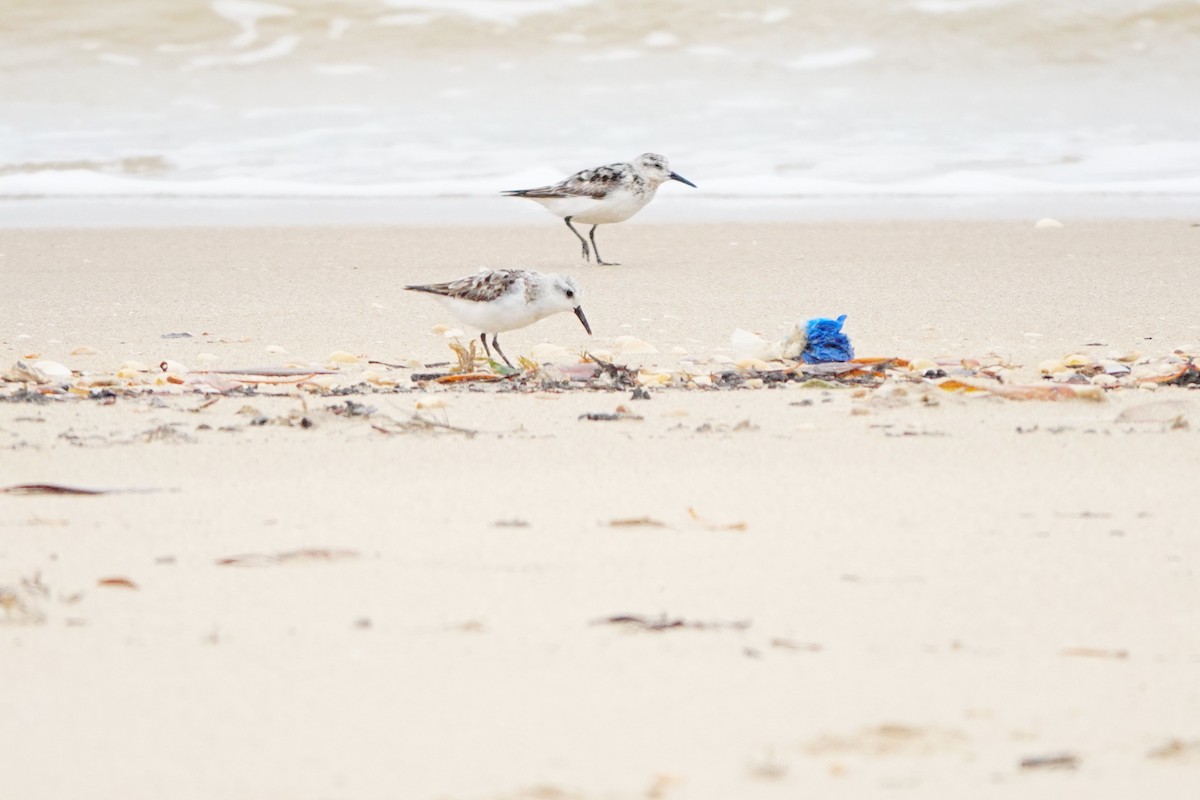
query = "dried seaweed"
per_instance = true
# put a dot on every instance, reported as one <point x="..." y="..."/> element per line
<point x="1051" y="761"/>
<point x="636" y="522"/>
<point x="664" y="623"/>
<point x="309" y="555"/>
<point x="117" y="583"/>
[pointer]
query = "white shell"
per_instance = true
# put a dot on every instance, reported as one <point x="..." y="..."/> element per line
<point x="631" y="345"/>
<point x="1047" y="222"/>
<point x="84" y="350"/>
<point x="343" y="357"/>
<point x="47" y="371"/>
<point x="548" y="353"/>
<point x="922" y="365"/>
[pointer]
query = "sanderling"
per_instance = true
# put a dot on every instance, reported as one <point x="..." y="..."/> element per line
<point x="612" y="193"/>
<point x="495" y="300"/>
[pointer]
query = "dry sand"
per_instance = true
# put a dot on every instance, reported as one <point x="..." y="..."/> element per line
<point x="900" y="595"/>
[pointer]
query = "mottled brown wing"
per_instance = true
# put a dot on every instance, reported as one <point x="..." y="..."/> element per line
<point x="479" y="288"/>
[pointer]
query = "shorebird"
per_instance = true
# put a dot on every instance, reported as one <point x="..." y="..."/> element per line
<point x="496" y="300"/>
<point x="598" y="196"/>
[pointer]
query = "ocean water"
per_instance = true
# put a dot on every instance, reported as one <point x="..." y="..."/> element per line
<point x="416" y="98"/>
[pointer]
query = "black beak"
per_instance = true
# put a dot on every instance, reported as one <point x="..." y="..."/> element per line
<point x="681" y="179"/>
<point x="583" y="319"/>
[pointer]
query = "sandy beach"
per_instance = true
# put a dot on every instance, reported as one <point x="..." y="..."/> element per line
<point x="391" y="590"/>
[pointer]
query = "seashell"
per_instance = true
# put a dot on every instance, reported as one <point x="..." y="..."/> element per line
<point x="173" y="366"/>
<point x="439" y="329"/>
<point x="276" y="350"/>
<point x="721" y="358"/>
<point x="47" y="372"/>
<point x="631" y="345"/>
<point x="1143" y="371"/>
<point x="679" y="351"/>
<point x="972" y="364"/>
<point x="1104" y="379"/>
<point x="1047" y="222"/>
<point x="1077" y="360"/>
<point x="343" y="357"/>
<point x="84" y="350"/>
<point x="1051" y="366"/>
<point x="747" y="345"/>
<point x="373" y="377"/>
<point x="1114" y="367"/>
<point x="754" y="383"/>
<point x="654" y="378"/>
<point x="132" y="366"/>
<point x="207" y="358"/>
<point x="452" y="333"/>
<point x="547" y="353"/>
<point x="756" y="365"/>
<point x="922" y="365"/>
<point x="1126" y="357"/>
<point x="430" y="403"/>
<point x="1149" y="386"/>
<point x="702" y="380"/>
<point x="322" y="381"/>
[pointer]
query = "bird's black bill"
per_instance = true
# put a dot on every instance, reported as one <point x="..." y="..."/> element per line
<point x="681" y="179"/>
<point x="583" y="319"/>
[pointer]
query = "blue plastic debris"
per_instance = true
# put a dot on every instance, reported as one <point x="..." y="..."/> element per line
<point x="826" y="342"/>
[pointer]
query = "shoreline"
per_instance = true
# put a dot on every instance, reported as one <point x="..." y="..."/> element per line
<point x="488" y="211"/>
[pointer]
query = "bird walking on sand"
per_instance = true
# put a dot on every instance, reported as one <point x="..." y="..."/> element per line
<point x="499" y="300"/>
<point x="602" y="195"/>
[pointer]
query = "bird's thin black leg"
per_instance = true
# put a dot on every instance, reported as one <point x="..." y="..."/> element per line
<point x="483" y="338"/>
<point x="496" y="344"/>
<point x="582" y="241"/>
<point x="596" y="250"/>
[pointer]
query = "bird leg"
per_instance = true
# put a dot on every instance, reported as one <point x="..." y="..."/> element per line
<point x="496" y="344"/>
<point x="596" y="250"/>
<point x="582" y="241"/>
<point x="483" y="338"/>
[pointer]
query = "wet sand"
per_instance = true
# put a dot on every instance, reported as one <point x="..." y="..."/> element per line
<point x="879" y="592"/>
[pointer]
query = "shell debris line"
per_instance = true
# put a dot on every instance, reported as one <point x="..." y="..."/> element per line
<point x="755" y="363"/>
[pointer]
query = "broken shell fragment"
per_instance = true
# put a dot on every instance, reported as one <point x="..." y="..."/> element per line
<point x="343" y="357"/>
<point x="1077" y="360"/>
<point x="84" y="350"/>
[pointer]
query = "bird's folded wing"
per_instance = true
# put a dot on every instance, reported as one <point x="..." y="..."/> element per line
<point x="590" y="183"/>
<point x="479" y="288"/>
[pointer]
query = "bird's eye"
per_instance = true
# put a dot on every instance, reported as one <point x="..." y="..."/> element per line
<point x="570" y="294"/>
